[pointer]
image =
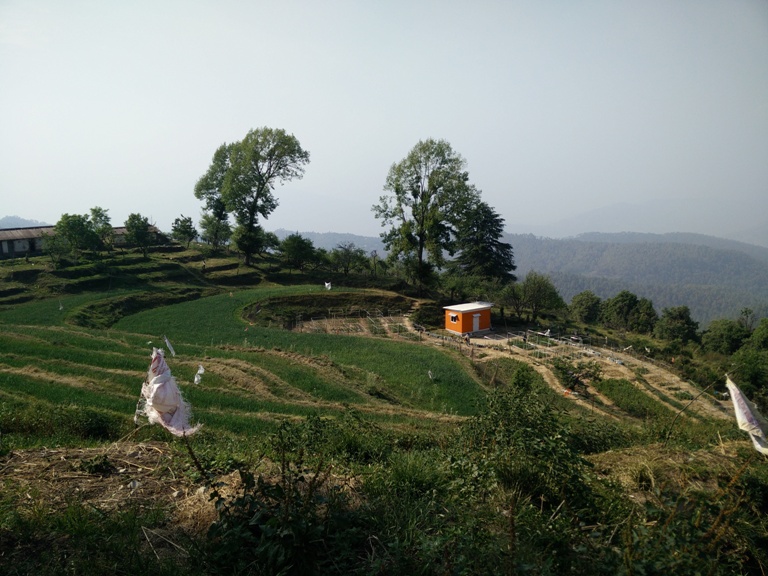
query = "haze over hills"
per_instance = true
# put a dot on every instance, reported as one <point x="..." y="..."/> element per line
<point x="715" y="278"/>
<point x="18" y="222"/>
<point x="743" y="223"/>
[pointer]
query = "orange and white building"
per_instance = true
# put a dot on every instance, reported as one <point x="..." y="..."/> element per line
<point x="470" y="318"/>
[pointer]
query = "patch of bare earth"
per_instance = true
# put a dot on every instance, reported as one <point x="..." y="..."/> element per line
<point x="125" y="474"/>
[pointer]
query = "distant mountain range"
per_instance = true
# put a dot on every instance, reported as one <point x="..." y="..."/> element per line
<point x="742" y="221"/>
<point x="18" y="222"/>
<point x="714" y="277"/>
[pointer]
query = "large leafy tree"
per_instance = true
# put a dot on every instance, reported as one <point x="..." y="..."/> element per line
<point x="297" y="251"/>
<point x="626" y="311"/>
<point x="478" y="241"/>
<point x="536" y="294"/>
<point x="759" y="338"/>
<point x="750" y="366"/>
<point x="270" y="243"/>
<point x="215" y="228"/>
<point x="243" y="176"/>
<point x="617" y="312"/>
<point x="723" y="336"/>
<point x="138" y="233"/>
<point x="102" y="226"/>
<point x="75" y="234"/>
<point x="644" y="319"/>
<point x="467" y="287"/>
<point x="57" y="248"/>
<point x="585" y="307"/>
<point x="214" y="223"/>
<point x="183" y="230"/>
<point x="347" y="257"/>
<point x="423" y="192"/>
<point x="209" y="187"/>
<point x="512" y="295"/>
<point x="262" y="241"/>
<point x="540" y="295"/>
<point x="251" y="240"/>
<point x="676" y="324"/>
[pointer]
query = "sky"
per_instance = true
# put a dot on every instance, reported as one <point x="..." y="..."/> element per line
<point x="558" y="107"/>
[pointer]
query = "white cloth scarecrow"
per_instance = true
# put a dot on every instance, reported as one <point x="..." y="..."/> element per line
<point x="161" y="400"/>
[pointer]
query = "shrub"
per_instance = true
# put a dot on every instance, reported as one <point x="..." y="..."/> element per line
<point x="297" y="523"/>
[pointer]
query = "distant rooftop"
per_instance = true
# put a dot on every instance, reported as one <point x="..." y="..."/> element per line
<point x="38" y="232"/>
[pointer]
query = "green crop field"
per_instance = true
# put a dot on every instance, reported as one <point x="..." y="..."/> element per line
<point x="248" y="368"/>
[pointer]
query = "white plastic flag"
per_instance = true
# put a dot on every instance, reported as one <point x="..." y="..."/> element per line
<point x="170" y="348"/>
<point x="748" y="417"/>
<point x="161" y="400"/>
<point x="199" y="375"/>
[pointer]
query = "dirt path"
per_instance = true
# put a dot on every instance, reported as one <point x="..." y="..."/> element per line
<point x="641" y="373"/>
<point x="621" y="365"/>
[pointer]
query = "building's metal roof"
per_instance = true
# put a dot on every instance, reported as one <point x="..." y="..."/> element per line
<point x="39" y="231"/>
<point x="25" y="233"/>
<point x="469" y="307"/>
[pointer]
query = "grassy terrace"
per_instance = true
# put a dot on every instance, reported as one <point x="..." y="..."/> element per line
<point x="254" y="377"/>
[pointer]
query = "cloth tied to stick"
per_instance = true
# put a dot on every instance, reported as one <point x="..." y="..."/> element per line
<point x="161" y="401"/>
<point x="748" y="417"/>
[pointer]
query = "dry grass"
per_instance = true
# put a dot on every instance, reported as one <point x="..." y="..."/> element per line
<point x="643" y="470"/>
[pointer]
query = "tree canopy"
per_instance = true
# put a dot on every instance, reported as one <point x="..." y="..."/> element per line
<point x="183" y="230"/>
<point x="478" y="242"/>
<point x="540" y="294"/>
<point x="536" y="294"/>
<point x="676" y="324"/>
<point x="77" y="232"/>
<point x="346" y="257"/>
<point x="585" y="307"/>
<point x="215" y="229"/>
<point x="423" y="192"/>
<point x="102" y="226"/>
<point x="724" y="336"/>
<point x="74" y="234"/>
<point x="297" y="251"/>
<point x="626" y="311"/>
<point x="137" y="232"/>
<point x="242" y="178"/>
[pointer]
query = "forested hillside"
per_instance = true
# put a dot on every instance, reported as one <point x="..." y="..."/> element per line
<point x="714" y="282"/>
<point x="330" y="240"/>
<point x="758" y="252"/>
<point x="714" y="277"/>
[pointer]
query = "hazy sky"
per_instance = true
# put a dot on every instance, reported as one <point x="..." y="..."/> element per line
<point x="559" y="107"/>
